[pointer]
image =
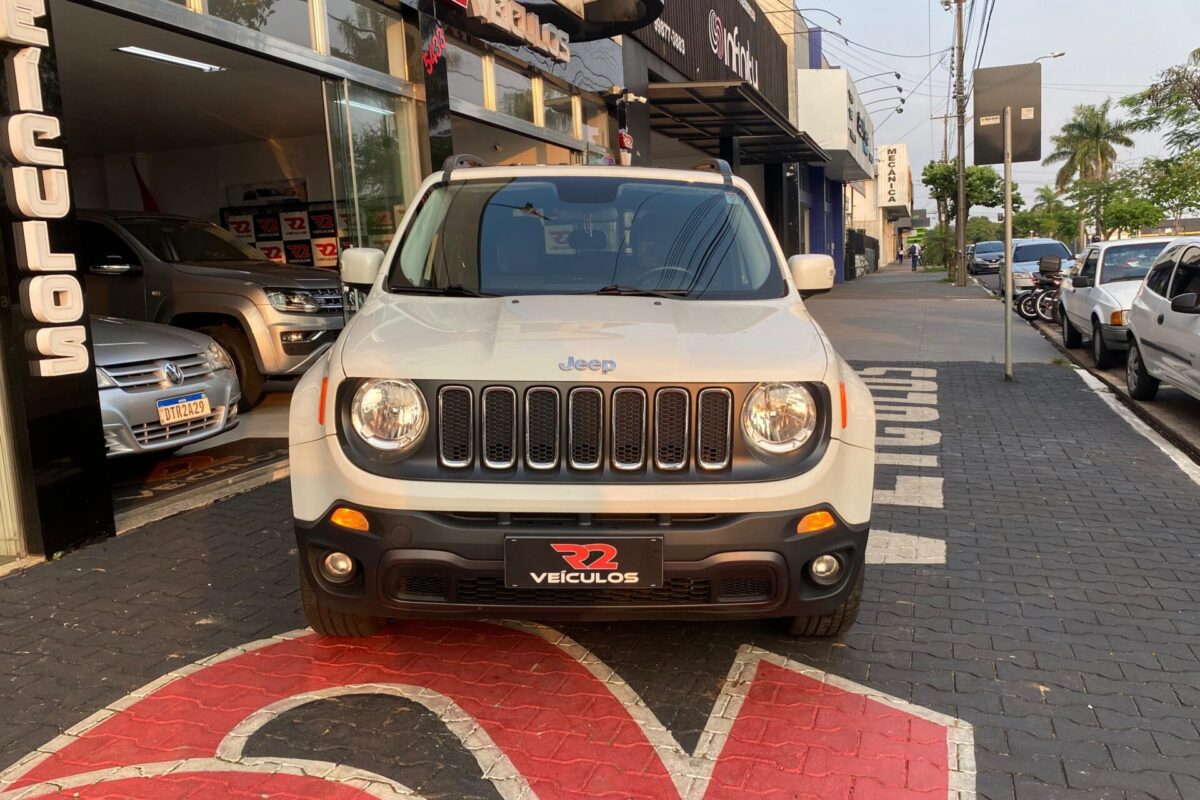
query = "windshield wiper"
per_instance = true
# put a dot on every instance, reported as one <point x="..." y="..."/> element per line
<point x="453" y="290"/>
<point x="633" y="291"/>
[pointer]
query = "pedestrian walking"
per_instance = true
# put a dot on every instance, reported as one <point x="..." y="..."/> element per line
<point x="914" y="253"/>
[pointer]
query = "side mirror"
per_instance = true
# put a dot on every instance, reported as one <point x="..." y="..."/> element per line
<point x="812" y="273"/>
<point x="1083" y="282"/>
<point x="1186" y="304"/>
<point x="360" y="265"/>
<point x="1049" y="265"/>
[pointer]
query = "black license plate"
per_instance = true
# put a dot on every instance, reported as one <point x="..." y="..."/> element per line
<point x="544" y="562"/>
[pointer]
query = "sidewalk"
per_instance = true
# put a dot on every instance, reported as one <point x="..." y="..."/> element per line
<point x="897" y="314"/>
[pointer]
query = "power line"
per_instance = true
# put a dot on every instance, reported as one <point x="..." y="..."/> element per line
<point x="927" y="74"/>
<point x="853" y="43"/>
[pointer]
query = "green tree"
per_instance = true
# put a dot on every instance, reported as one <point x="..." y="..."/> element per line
<point x="1048" y="199"/>
<point x="1172" y="103"/>
<point x="1087" y="147"/>
<point x="1172" y="184"/>
<point x="984" y="187"/>
<point x="982" y="229"/>
<point x="1131" y="214"/>
<point x="1028" y="223"/>
<point x="1119" y="193"/>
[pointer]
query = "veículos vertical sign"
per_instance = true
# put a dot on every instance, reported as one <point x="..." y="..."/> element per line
<point x="53" y="406"/>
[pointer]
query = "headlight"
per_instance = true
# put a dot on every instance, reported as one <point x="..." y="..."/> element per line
<point x="103" y="381"/>
<point x="389" y="415"/>
<point x="218" y="359"/>
<point x="293" y="300"/>
<point x="779" y="418"/>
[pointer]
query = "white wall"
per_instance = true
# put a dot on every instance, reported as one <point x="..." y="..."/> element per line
<point x="193" y="182"/>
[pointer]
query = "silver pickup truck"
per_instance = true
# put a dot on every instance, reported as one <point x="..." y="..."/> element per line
<point x="274" y="320"/>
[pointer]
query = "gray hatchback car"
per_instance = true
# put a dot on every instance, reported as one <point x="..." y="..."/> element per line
<point x="160" y="387"/>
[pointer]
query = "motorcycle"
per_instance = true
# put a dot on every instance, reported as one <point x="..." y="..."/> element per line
<point x="1040" y="302"/>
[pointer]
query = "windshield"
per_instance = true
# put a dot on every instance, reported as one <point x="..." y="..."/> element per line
<point x="568" y="235"/>
<point x="1129" y="262"/>
<point x="989" y="247"/>
<point x="1032" y="252"/>
<point x="188" y="240"/>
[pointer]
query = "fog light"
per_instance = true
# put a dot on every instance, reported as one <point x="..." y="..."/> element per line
<point x="816" y="522"/>
<point x="825" y="569"/>
<point x="337" y="567"/>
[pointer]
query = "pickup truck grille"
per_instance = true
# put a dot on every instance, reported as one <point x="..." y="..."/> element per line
<point x="585" y="429"/>
<point x="330" y="299"/>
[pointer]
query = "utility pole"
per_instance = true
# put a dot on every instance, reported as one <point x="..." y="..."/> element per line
<point x="961" y="224"/>
<point x="945" y="118"/>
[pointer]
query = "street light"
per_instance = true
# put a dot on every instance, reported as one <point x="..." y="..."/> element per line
<point x="896" y="75"/>
<point x="902" y="101"/>
<point x="798" y="10"/>
<point x="1058" y="54"/>
<point x="899" y="90"/>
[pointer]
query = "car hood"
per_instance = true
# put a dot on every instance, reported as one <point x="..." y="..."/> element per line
<point x="530" y="338"/>
<point x="1122" y="292"/>
<point x="263" y="273"/>
<point x="123" y="341"/>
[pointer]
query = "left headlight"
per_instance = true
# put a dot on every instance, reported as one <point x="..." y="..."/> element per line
<point x="218" y="359"/>
<point x="390" y="415"/>
<point x="295" y="300"/>
<point x="779" y="418"/>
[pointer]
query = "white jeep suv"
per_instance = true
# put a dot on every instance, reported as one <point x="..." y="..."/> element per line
<point x="582" y="392"/>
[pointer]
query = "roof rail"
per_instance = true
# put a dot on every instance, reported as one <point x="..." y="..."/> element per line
<point x="717" y="165"/>
<point x="460" y="162"/>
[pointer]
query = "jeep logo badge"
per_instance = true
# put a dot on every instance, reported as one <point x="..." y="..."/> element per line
<point x="584" y="365"/>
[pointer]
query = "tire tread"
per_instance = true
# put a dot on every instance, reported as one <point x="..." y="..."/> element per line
<point x="836" y="622"/>
<point x="328" y="621"/>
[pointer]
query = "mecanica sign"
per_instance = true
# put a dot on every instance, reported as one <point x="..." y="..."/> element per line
<point x="721" y="40"/>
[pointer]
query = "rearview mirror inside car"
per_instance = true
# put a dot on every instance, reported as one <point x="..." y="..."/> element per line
<point x="1050" y="264"/>
<point x="360" y="265"/>
<point x="812" y="273"/>
<point x="1186" y="304"/>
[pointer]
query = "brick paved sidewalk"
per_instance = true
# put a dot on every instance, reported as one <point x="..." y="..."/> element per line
<point x="1064" y="627"/>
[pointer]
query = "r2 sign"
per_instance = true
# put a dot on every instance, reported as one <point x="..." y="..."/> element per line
<point x="543" y="718"/>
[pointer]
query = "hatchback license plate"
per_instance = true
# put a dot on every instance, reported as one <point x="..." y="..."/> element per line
<point x="543" y="562"/>
<point x="183" y="409"/>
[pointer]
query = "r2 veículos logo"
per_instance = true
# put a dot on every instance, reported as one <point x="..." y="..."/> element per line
<point x="593" y="563"/>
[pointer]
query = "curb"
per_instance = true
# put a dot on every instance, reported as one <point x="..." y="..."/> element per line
<point x="204" y="496"/>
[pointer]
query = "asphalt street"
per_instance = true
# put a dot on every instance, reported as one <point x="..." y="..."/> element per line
<point x="1030" y="629"/>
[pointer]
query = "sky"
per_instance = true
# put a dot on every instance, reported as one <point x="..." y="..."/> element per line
<point x="1112" y="49"/>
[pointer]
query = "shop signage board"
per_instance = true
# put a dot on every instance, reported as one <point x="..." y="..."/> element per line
<point x="304" y="235"/>
<point x="894" y="178"/>
<point x="519" y="22"/>
<point x="52" y="401"/>
<point x="719" y="40"/>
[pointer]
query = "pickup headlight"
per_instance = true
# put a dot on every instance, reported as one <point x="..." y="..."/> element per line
<point x="294" y="300"/>
<point x="390" y="415"/>
<point x="779" y="418"/>
<point x="218" y="359"/>
<point x="103" y="381"/>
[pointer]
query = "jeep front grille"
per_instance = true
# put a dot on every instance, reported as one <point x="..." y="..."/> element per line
<point x="584" y="429"/>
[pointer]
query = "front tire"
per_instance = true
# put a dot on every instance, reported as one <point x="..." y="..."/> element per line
<point x="1100" y="352"/>
<point x="1027" y="307"/>
<point x="836" y="622"/>
<point x="331" y="622"/>
<point x="1141" y="384"/>
<point x="1071" y="337"/>
<point x="244" y="363"/>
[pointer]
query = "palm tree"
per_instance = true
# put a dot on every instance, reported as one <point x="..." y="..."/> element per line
<point x="1047" y="199"/>
<point x="1086" y="146"/>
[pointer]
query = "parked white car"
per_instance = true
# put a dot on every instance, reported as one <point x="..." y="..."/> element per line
<point x="1164" y="324"/>
<point x="1097" y="296"/>
<point x="586" y="393"/>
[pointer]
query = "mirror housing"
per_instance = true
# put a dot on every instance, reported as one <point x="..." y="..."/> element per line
<point x="1186" y="304"/>
<point x="361" y="265"/>
<point x="1049" y="265"/>
<point x="812" y="273"/>
<point x="1083" y="282"/>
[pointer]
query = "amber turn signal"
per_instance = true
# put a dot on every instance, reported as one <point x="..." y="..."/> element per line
<point x="351" y="519"/>
<point x="816" y="522"/>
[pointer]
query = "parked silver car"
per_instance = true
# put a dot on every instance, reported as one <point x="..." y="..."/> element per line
<point x="160" y="387"/>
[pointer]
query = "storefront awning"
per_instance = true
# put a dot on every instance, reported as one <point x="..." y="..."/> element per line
<point x="702" y="113"/>
<point x="601" y="18"/>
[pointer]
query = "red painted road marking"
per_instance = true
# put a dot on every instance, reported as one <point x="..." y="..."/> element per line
<point x="563" y="722"/>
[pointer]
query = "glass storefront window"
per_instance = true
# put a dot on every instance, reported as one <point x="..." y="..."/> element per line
<point x="465" y="68"/>
<point x="367" y="34"/>
<point x="596" y="124"/>
<point x="558" y="110"/>
<point x="514" y="93"/>
<point x="283" y="19"/>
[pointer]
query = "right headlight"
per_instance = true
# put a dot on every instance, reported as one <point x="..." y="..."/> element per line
<point x="390" y="415"/>
<point x="779" y="418"/>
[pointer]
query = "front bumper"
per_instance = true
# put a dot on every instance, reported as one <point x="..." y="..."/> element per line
<point x="294" y="359"/>
<point x="985" y="267"/>
<point x="130" y="417"/>
<point x="1116" y="337"/>
<point x="1022" y="281"/>
<point x="737" y="566"/>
